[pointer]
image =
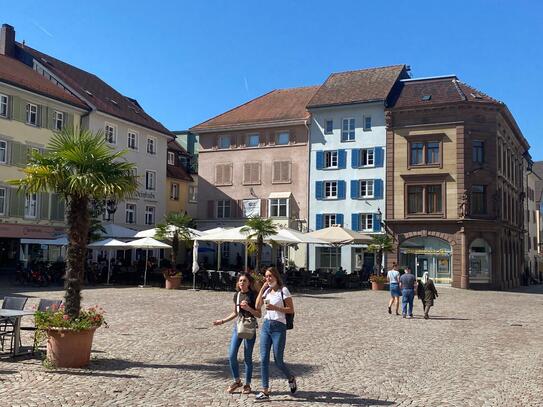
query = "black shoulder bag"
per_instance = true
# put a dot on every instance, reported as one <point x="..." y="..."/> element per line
<point x="289" y="317"/>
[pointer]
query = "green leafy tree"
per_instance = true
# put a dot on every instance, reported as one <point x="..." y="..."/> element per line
<point x="380" y="244"/>
<point x="81" y="167"/>
<point x="258" y="229"/>
<point x="175" y="227"/>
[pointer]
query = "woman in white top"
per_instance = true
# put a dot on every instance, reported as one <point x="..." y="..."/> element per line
<point x="278" y="302"/>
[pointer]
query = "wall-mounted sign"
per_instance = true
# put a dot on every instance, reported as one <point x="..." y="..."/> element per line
<point x="145" y="195"/>
<point x="442" y="252"/>
<point x="251" y="208"/>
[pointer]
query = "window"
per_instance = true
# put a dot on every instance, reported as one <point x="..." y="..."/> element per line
<point x="174" y="192"/>
<point x="193" y="194"/>
<point x="282" y="138"/>
<point x="132" y="140"/>
<point x="432" y="153"/>
<point x="224" y="142"/>
<point x="2" y="201"/>
<point x="3" y="151"/>
<point x="367" y="157"/>
<point x="251" y="173"/>
<point x="3" y="106"/>
<point x="424" y="199"/>
<point x="367" y="122"/>
<point x="329" y="219"/>
<point x="330" y="190"/>
<point x="478" y="199"/>
<point x="366" y="222"/>
<point x="150" y="215"/>
<point x="223" y="174"/>
<point x="279" y="207"/>
<point x="416" y="153"/>
<point x="281" y="171"/>
<point x="328" y="258"/>
<point x="478" y="152"/>
<point x="425" y="153"/>
<point x="366" y="188"/>
<point x="171" y="158"/>
<point x="223" y="208"/>
<point x="110" y="134"/>
<point x="330" y="159"/>
<point x="130" y="213"/>
<point x="328" y="127"/>
<point x="150" y="180"/>
<point x="32" y="114"/>
<point x="347" y="130"/>
<point x="253" y="140"/>
<point x="31" y="205"/>
<point x="151" y="145"/>
<point x="58" y="121"/>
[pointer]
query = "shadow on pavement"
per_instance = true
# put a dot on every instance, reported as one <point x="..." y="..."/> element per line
<point x="332" y="397"/>
<point x="94" y="373"/>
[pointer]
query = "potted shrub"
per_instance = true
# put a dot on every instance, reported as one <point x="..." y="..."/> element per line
<point x="378" y="282"/>
<point x="81" y="168"/>
<point x="172" y="277"/>
<point x="69" y="341"/>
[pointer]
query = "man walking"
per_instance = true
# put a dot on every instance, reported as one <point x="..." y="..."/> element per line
<point x="407" y="285"/>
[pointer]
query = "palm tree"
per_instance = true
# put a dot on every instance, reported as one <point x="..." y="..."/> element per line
<point x="259" y="229"/>
<point x="175" y="227"/>
<point x="380" y="244"/>
<point x="80" y="167"/>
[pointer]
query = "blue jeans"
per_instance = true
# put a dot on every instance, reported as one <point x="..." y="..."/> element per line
<point x="272" y="333"/>
<point x="408" y="294"/>
<point x="248" y="345"/>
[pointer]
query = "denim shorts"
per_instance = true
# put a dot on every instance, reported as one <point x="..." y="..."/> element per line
<point x="395" y="290"/>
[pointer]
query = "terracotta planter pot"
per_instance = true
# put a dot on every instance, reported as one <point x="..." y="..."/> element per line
<point x="173" y="283"/>
<point x="377" y="286"/>
<point x="67" y="348"/>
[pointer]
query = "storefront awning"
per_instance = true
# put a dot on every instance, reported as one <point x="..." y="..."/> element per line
<point x="61" y="241"/>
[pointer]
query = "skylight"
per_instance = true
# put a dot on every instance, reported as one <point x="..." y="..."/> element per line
<point x="426" y="97"/>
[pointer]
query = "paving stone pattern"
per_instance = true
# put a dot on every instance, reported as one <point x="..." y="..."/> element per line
<point x="480" y="349"/>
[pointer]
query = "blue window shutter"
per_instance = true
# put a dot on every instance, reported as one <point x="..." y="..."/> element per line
<point x="319" y="191"/>
<point x="379" y="156"/>
<point x="320" y="160"/>
<point x="376" y="222"/>
<point x="320" y="222"/>
<point x="342" y="159"/>
<point x="378" y="188"/>
<point x="341" y="189"/>
<point x="339" y="219"/>
<point x="355" y="185"/>
<point x="355" y="157"/>
<point x="355" y="222"/>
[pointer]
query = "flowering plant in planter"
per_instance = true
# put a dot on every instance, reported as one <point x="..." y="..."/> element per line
<point x="374" y="278"/>
<point x="57" y="318"/>
<point x="170" y="272"/>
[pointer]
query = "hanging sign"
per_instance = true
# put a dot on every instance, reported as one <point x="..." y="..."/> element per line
<point x="251" y="208"/>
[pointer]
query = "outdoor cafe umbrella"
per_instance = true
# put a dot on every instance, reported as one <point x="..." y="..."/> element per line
<point x="195" y="266"/>
<point x="170" y="229"/>
<point x="108" y="244"/>
<point x="147" y="243"/>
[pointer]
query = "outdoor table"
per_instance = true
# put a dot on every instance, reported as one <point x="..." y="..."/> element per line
<point x="17" y="315"/>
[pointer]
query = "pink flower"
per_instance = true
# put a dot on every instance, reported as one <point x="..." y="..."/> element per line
<point x="65" y="317"/>
<point x="54" y="307"/>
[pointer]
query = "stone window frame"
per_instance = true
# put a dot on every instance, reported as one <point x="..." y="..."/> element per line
<point x="425" y="139"/>
<point x="425" y="181"/>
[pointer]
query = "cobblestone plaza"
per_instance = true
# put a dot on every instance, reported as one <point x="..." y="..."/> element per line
<point x="479" y="349"/>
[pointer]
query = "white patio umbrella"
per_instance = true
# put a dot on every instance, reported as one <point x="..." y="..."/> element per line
<point x="108" y="244"/>
<point x="147" y="243"/>
<point x="300" y="237"/>
<point x="152" y="232"/>
<point x="195" y="266"/>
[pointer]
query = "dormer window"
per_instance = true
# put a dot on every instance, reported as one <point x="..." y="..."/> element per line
<point x="224" y="142"/>
<point x="253" y="140"/>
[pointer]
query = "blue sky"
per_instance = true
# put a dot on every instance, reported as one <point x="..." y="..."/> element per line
<point x="186" y="61"/>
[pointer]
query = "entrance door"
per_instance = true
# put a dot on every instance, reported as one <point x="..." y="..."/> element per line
<point x="423" y="265"/>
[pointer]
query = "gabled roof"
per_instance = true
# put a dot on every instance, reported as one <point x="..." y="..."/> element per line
<point x="365" y="85"/>
<point x="176" y="172"/>
<point x="95" y="91"/>
<point x="15" y="73"/>
<point x="174" y="146"/>
<point x="275" y="106"/>
<point x="432" y="91"/>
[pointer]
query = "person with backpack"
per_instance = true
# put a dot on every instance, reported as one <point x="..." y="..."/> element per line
<point x="279" y="317"/>
<point x="246" y="312"/>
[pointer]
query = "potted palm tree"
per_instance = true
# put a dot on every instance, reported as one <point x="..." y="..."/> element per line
<point x="175" y="228"/>
<point x="80" y="167"/>
<point x="258" y="229"/>
<point x="380" y="244"/>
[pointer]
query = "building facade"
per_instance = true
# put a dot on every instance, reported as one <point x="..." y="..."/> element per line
<point x="178" y="179"/>
<point x="189" y="142"/>
<point x="530" y="224"/>
<point x="455" y="160"/>
<point x="253" y="161"/>
<point x="347" y="161"/>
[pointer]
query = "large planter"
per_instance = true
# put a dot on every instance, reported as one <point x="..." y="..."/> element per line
<point x="375" y="286"/>
<point x="173" y="283"/>
<point x="67" y="348"/>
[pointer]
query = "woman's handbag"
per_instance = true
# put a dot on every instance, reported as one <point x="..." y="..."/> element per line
<point x="288" y="317"/>
<point x="246" y="326"/>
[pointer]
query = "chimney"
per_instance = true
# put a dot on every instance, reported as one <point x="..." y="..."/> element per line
<point x="7" y="40"/>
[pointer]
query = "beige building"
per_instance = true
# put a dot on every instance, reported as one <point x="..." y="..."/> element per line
<point x="253" y="161"/>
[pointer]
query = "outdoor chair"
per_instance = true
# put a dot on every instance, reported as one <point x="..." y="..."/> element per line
<point x="7" y="325"/>
<point x="43" y="305"/>
<point x="215" y="280"/>
<point x="204" y="280"/>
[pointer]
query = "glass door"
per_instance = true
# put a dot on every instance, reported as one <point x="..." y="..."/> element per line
<point x="422" y="264"/>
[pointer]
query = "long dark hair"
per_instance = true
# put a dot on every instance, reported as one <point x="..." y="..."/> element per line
<point x="276" y="274"/>
<point x="249" y="277"/>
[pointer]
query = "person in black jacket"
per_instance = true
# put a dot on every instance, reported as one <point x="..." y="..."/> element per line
<point x="427" y="293"/>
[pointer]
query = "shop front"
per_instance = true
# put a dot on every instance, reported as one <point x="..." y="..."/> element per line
<point x="427" y="254"/>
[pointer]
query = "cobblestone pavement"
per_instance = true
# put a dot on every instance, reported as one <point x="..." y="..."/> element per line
<point x="480" y="349"/>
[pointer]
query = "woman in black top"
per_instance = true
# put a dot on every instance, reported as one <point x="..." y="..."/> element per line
<point x="245" y="298"/>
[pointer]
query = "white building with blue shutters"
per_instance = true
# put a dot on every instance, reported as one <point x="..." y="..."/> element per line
<point x="347" y="162"/>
